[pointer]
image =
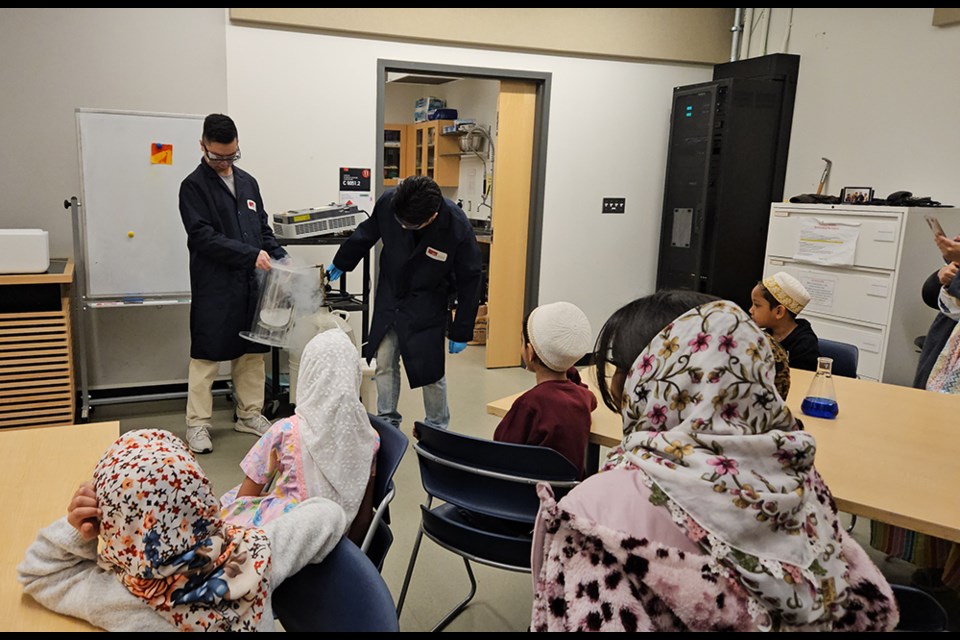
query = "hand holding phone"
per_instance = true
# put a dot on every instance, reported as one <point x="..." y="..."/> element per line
<point x="934" y="225"/>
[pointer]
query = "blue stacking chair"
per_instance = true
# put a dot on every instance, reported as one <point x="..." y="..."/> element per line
<point x="490" y="502"/>
<point x="845" y="357"/>
<point x="919" y="611"/>
<point x="393" y="445"/>
<point x="343" y="593"/>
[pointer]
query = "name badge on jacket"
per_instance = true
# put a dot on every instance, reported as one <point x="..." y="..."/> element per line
<point x="252" y="205"/>
<point x="440" y="256"/>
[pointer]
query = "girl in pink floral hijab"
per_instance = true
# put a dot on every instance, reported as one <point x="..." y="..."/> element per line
<point x="710" y="448"/>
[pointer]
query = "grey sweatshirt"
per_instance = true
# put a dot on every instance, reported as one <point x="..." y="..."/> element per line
<point x="60" y="570"/>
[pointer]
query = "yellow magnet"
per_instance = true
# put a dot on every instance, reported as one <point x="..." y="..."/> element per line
<point x="129" y="234"/>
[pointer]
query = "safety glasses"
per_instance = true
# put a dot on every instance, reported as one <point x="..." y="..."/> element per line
<point x="213" y="157"/>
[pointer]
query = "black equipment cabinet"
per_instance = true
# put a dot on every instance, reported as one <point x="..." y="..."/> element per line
<point x="725" y="164"/>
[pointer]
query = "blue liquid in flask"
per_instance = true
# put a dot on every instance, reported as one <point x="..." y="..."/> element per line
<point x="820" y="407"/>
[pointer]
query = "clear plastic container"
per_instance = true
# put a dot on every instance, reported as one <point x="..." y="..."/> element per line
<point x="821" y="399"/>
<point x="287" y="293"/>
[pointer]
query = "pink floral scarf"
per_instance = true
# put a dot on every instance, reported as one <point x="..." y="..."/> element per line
<point x="162" y="536"/>
<point x="945" y="374"/>
<point x="726" y="457"/>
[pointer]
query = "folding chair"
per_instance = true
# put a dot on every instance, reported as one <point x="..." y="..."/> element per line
<point x="345" y="592"/>
<point x="393" y="444"/>
<point x="489" y="491"/>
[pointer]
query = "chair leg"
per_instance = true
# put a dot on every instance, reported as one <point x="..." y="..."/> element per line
<point x="853" y="523"/>
<point x="406" y="578"/>
<point x="463" y="603"/>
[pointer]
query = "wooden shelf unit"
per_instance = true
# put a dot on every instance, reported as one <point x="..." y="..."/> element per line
<point x="395" y="154"/>
<point x="36" y="350"/>
<point x="429" y="153"/>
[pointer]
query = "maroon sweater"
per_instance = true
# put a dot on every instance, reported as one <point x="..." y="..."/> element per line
<point x="554" y="414"/>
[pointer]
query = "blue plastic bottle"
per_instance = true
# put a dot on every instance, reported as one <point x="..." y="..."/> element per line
<point x="821" y="399"/>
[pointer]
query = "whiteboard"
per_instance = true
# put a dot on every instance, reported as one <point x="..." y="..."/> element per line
<point x="132" y="238"/>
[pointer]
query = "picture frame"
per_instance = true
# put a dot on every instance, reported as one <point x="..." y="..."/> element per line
<point x="856" y="195"/>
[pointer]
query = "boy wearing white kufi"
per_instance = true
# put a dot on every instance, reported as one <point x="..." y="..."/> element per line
<point x="775" y="303"/>
<point x="556" y="412"/>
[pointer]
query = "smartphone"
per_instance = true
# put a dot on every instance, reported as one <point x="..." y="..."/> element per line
<point x="934" y="225"/>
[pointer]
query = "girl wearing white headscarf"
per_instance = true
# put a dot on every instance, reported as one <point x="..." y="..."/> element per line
<point x="710" y="514"/>
<point x="325" y="449"/>
<point x="165" y="560"/>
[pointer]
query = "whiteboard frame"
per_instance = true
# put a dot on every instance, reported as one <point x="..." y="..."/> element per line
<point x="82" y="250"/>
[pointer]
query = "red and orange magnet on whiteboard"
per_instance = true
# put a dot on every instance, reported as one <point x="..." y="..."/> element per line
<point x="161" y="153"/>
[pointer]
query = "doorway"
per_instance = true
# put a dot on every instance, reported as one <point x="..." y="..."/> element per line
<point x="508" y="212"/>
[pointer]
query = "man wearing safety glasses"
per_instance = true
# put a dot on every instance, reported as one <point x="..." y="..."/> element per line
<point x="229" y="238"/>
<point x="430" y="255"/>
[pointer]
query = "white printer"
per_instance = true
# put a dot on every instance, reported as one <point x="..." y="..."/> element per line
<point x="24" y="251"/>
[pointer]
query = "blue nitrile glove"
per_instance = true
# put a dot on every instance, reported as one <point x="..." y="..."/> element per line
<point x="457" y="347"/>
<point x="333" y="272"/>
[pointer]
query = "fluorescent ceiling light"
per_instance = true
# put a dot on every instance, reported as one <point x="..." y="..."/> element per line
<point x="415" y="78"/>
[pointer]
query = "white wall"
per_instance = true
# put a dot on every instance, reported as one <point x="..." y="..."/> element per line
<point x="53" y="61"/>
<point x="878" y="94"/>
<point x="305" y="105"/>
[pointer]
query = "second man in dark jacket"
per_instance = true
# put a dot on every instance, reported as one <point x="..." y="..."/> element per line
<point x="429" y="253"/>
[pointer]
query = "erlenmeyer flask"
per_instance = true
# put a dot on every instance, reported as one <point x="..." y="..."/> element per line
<point x="821" y="399"/>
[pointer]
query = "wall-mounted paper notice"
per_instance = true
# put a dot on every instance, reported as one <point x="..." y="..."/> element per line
<point x="827" y="242"/>
<point x="821" y="289"/>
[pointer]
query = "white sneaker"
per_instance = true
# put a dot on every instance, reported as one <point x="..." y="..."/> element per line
<point x="257" y="425"/>
<point x="198" y="439"/>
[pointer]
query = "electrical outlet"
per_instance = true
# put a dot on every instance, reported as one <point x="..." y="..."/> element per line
<point x="614" y="205"/>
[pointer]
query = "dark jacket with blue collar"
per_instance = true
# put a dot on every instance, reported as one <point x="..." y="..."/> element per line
<point x="225" y="234"/>
<point x="418" y="272"/>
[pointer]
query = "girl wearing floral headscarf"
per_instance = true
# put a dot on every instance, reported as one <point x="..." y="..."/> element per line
<point x="710" y="514"/>
<point x="166" y="561"/>
<point x="326" y="449"/>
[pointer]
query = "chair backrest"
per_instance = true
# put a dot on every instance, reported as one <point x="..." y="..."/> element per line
<point x="381" y="539"/>
<point x="492" y="478"/>
<point x="845" y="357"/>
<point x="919" y="611"/>
<point x="393" y="445"/>
<point x="343" y="593"/>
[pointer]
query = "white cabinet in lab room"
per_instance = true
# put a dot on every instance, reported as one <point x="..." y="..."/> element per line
<point x="864" y="267"/>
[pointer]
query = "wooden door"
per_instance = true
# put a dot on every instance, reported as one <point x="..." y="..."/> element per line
<point x="512" y="183"/>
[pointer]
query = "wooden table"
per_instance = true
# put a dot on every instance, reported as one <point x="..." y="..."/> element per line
<point x="892" y="454"/>
<point x="42" y="467"/>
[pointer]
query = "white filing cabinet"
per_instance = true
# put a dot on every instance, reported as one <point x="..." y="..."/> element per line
<point x="871" y="298"/>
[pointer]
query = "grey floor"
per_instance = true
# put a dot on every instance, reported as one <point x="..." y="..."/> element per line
<point x="503" y="598"/>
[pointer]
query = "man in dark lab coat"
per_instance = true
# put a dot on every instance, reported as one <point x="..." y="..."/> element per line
<point x="429" y="252"/>
<point x="229" y="238"/>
